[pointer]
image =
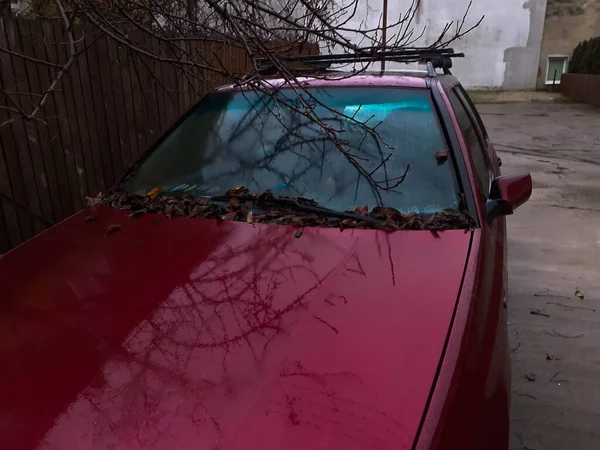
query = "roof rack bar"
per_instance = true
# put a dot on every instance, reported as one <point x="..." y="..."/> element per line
<point x="377" y="55"/>
<point x="439" y="58"/>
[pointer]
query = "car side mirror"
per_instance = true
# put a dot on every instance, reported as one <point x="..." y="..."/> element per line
<point x="507" y="194"/>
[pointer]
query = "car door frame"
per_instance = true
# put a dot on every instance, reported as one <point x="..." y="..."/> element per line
<point x="476" y="412"/>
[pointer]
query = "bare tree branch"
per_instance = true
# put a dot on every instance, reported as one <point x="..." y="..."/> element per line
<point x="180" y="33"/>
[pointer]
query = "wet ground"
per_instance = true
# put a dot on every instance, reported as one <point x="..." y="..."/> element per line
<point x="554" y="249"/>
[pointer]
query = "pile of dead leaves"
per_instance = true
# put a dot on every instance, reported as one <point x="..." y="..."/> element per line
<point x="241" y="210"/>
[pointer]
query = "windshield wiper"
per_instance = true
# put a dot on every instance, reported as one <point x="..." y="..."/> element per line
<point x="299" y="204"/>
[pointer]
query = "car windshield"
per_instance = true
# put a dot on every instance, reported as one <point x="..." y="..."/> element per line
<point x="267" y="143"/>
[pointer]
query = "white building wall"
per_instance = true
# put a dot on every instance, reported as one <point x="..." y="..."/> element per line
<point x="503" y="52"/>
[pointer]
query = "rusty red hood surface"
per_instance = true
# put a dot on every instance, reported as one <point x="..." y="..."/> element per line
<point x="196" y="334"/>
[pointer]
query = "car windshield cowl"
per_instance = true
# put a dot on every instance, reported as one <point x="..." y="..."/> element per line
<point x="298" y="204"/>
<point x="266" y="208"/>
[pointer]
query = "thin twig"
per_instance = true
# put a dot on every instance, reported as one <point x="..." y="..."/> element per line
<point x="537" y="312"/>
<point x="527" y="395"/>
<point x="550" y="295"/>
<point x="524" y="446"/>
<point x="571" y="307"/>
<point x="556" y="333"/>
<point x="29" y="58"/>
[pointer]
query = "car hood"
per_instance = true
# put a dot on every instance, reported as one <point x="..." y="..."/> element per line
<point x="197" y="334"/>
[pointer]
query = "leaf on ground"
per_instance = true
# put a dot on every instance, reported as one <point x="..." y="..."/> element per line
<point x="299" y="233"/>
<point x="153" y="193"/>
<point x="91" y="218"/>
<point x="111" y="229"/>
<point x="442" y="156"/>
<point x="579" y="294"/>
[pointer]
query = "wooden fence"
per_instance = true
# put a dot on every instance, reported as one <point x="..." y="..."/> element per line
<point x="108" y="108"/>
<point x="581" y="88"/>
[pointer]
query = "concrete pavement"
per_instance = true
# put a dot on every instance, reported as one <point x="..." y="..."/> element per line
<point x="554" y="249"/>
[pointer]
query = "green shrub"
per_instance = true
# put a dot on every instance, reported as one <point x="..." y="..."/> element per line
<point x="586" y="57"/>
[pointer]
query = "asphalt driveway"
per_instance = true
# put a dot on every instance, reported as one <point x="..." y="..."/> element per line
<point x="554" y="250"/>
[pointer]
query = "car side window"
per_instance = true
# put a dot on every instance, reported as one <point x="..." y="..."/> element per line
<point x="464" y="97"/>
<point x="473" y="139"/>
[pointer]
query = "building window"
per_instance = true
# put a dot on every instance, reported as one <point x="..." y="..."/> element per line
<point x="555" y="67"/>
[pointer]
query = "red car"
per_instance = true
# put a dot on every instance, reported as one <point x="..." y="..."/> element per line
<point x="237" y="291"/>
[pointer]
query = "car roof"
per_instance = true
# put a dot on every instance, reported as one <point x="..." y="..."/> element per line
<point x="391" y="78"/>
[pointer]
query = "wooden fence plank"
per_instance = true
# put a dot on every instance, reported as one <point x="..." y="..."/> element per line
<point x="112" y="131"/>
<point x="10" y="218"/>
<point x="5" y="244"/>
<point x="138" y="110"/>
<point x="87" y="108"/>
<point x="63" y="147"/>
<point x="170" y="80"/>
<point x="119" y="101"/>
<point x="84" y="158"/>
<point x="152" y="119"/>
<point x="104" y="144"/>
<point x="159" y="86"/>
<point x="50" y="133"/>
<point x="74" y="151"/>
<point x="24" y="131"/>
<point x="41" y="153"/>
<point x="20" y="178"/>
<point x="25" y="73"/>
<point x="130" y="116"/>
<point x="181" y="80"/>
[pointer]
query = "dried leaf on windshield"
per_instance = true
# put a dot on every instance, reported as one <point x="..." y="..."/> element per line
<point x="153" y="193"/>
<point x="241" y="190"/>
<point x="349" y="223"/>
<point x="361" y="211"/>
<point x="228" y="216"/>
